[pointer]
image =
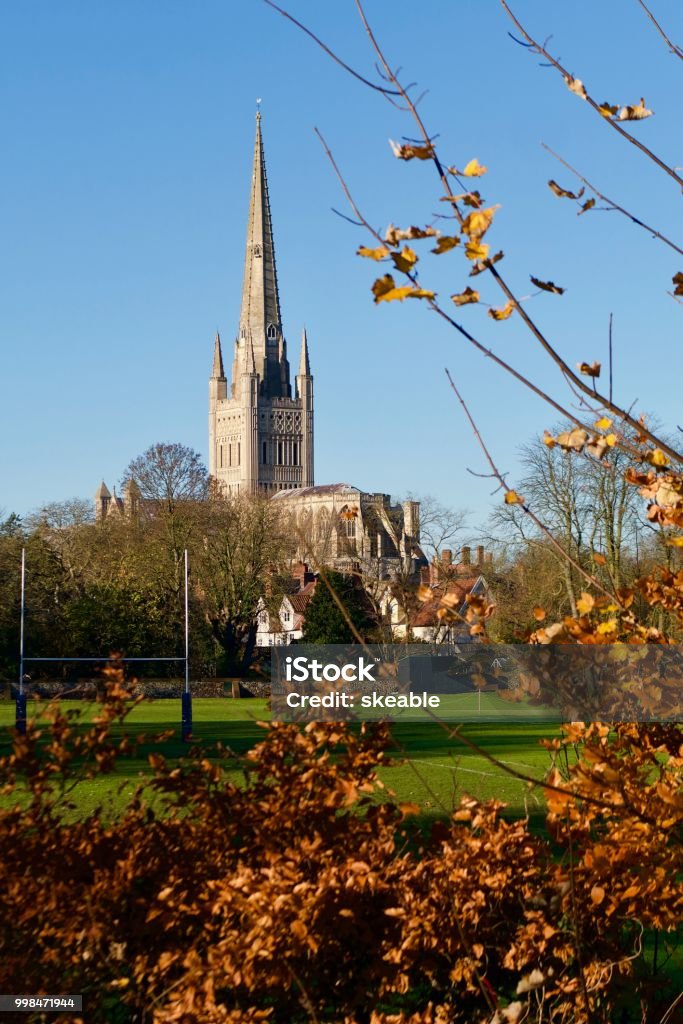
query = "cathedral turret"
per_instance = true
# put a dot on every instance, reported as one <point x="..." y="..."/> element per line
<point x="304" y="394"/>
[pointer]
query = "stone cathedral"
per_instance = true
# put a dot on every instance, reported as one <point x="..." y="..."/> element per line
<point x="260" y="434"/>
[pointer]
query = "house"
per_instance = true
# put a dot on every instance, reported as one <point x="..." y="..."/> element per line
<point x="435" y="613"/>
<point x="284" y="624"/>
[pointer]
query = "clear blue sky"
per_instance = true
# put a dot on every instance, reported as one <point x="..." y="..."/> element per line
<point x="127" y="135"/>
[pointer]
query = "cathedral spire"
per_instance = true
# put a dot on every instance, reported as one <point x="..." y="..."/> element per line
<point x="304" y="364"/>
<point x="260" y="313"/>
<point x="217" y="371"/>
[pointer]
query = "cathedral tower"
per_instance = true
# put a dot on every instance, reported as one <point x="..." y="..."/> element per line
<point x="260" y="436"/>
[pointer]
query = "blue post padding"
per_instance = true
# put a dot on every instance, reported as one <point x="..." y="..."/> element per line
<point x="186" y="731"/>
<point x="21" y="714"/>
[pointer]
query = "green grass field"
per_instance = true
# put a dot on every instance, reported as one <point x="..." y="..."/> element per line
<point x="430" y="767"/>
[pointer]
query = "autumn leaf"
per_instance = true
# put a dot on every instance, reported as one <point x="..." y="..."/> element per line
<point x="395" y="235"/>
<point x="512" y="498"/>
<point x="463" y="298"/>
<point x="604" y="423"/>
<point x="585" y="604"/>
<point x="656" y="457"/>
<point x="476" y="250"/>
<point x="677" y="280"/>
<point x="589" y="369"/>
<point x="635" y="113"/>
<point x="502" y="314"/>
<point x="473" y="169"/>
<point x="384" y="289"/>
<point x="564" y="193"/>
<point x="599" y="558"/>
<point x="481" y="266"/>
<point x="597" y="895"/>
<point x="608" y="109"/>
<point x="576" y="86"/>
<point x="547" y="286"/>
<point x="573" y="440"/>
<point x="411" y="151"/>
<point x="445" y="243"/>
<point x="539" y="613"/>
<point x="405" y="260"/>
<point x="588" y="205"/>
<point x="477" y="223"/>
<point x="373" y="254"/>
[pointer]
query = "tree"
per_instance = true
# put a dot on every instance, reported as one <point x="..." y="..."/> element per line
<point x="173" y="483"/>
<point x="325" y="622"/>
<point x="244" y="545"/>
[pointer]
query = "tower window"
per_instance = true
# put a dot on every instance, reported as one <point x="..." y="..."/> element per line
<point x="295" y="453"/>
<point x="272" y="332"/>
<point x="264" y="452"/>
<point x="239" y="453"/>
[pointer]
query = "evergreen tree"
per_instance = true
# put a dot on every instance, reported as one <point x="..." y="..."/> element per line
<point x="325" y="623"/>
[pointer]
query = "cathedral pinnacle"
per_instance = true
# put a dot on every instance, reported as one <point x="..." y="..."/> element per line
<point x="304" y="364"/>
<point x="217" y="370"/>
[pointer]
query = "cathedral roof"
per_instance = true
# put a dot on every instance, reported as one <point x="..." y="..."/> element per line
<point x="317" y="490"/>
<point x="102" y="491"/>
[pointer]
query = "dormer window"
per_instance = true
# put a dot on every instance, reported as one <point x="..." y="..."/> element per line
<point x="272" y="332"/>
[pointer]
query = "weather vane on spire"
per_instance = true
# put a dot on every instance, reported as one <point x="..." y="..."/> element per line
<point x="258" y="108"/>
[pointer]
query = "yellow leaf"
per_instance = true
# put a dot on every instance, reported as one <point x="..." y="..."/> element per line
<point x="585" y="604"/>
<point x="384" y="289"/>
<point x="410" y="151"/>
<point x="463" y="298"/>
<point x="502" y="314"/>
<point x="473" y="169"/>
<point x="476" y="250"/>
<point x="446" y="243"/>
<point x="604" y="423"/>
<point x="611" y="626"/>
<point x="548" y="439"/>
<point x="512" y="498"/>
<point x="589" y="369"/>
<point x="635" y="113"/>
<point x="547" y="286"/>
<point x="373" y="254"/>
<point x="611" y="440"/>
<point x="676" y="542"/>
<point x="656" y="457"/>
<point x="564" y="193"/>
<point x="576" y="86"/>
<point x="395" y="235"/>
<point x="477" y="223"/>
<point x="607" y="109"/>
<point x="405" y="260"/>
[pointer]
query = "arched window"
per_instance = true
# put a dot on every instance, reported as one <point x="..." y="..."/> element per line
<point x="272" y="332"/>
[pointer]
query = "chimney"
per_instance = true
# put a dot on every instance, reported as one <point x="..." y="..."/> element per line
<point x="466" y="556"/>
<point x="480" y="554"/>
<point x="447" y="556"/>
<point x="489" y="557"/>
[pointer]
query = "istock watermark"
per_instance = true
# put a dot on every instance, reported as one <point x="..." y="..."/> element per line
<point x="477" y="682"/>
